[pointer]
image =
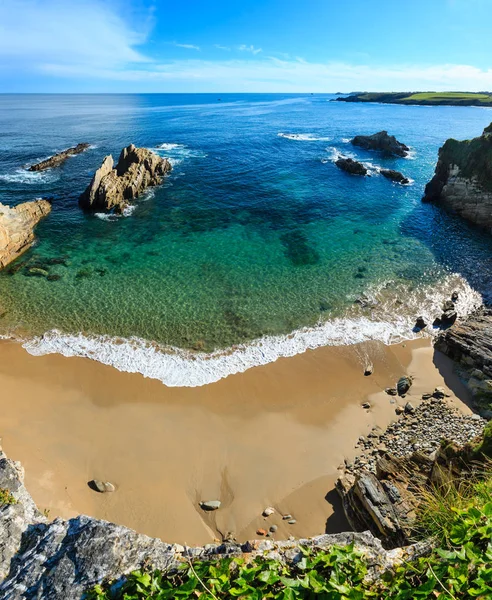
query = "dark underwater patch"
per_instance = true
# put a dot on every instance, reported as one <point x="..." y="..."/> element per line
<point x="297" y="248"/>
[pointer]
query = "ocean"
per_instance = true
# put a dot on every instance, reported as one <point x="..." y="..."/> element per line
<point x="256" y="246"/>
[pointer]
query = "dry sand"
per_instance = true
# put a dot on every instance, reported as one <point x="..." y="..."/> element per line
<point x="274" y="435"/>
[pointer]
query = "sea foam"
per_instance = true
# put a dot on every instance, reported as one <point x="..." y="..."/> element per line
<point x="386" y="320"/>
<point x="304" y="137"/>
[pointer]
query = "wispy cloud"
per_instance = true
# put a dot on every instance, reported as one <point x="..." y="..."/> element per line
<point x="187" y="46"/>
<point x="79" y="33"/>
<point x="222" y="47"/>
<point x="251" y="48"/>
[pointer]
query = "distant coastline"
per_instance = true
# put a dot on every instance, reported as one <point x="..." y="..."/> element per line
<point x="422" y="98"/>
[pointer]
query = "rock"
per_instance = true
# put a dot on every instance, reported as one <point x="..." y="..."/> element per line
<point x="53" y="277"/>
<point x="210" y="505"/>
<point x="403" y="385"/>
<point x="286" y="517"/>
<point x="273" y="528"/>
<point x="101" y="486"/>
<point x="454" y="296"/>
<point x="440" y="393"/>
<point x="420" y="323"/>
<point x="17" y="228"/>
<point x="351" y="166"/>
<point x="114" y="188"/>
<point x="261" y="532"/>
<point x="366" y="405"/>
<point x="426" y="396"/>
<point x="399" y="410"/>
<point x="395" y="176"/>
<point x="269" y="510"/>
<point x="391" y="391"/>
<point x="37" y="272"/>
<point x="369" y="370"/>
<point x="462" y="181"/>
<point x="409" y="408"/>
<point x="448" y="305"/>
<point x="58" y="159"/>
<point x="448" y="318"/>
<point x="381" y="141"/>
<point x="292" y="521"/>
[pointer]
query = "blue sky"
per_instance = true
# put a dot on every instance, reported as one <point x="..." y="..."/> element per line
<point x="244" y="46"/>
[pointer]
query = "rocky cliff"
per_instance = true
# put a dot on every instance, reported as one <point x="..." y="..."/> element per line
<point x="113" y="188"/>
<point x="462" y="181"/>
<point x="61" y="560"/>
<point x="17" y="228"/>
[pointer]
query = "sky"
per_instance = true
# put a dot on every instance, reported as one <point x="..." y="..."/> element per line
<point x="274" y="46"/>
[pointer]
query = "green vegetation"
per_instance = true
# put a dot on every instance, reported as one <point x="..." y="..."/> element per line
<point x="459" y="517"/>
<point x="424" y="98"/>
<point x="6" y="497"/>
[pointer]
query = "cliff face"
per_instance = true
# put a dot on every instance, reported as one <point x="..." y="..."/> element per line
<point x="462" y="182"/>
<point x="17" y="228"/>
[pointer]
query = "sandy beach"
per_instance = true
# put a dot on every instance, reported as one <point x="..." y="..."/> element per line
<point x="272" y="436"/>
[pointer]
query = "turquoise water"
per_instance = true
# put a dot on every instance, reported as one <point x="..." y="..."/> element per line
<point x="253" y="234"/>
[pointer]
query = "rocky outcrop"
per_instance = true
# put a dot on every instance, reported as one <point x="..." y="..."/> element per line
<point x="382" y="142"/>
<point x="112" y="189"/>
<point x="462" y="181"/>
<point x="469" y="344"/>
<point x="395" y="176"/>
<point x="17" y="228"/>
<point x="62" y="560"/>
<point x="380" y="490"/>
<point x="351" y="166"/>
<point x="58" y="159"/>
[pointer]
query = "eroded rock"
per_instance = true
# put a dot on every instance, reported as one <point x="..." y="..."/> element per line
<point x="58" y="159"/>
<point x="395" y="176"/>
<point x="113" y="188"/>
<point x="381" y="141"/>
<point x="351" y="166"/>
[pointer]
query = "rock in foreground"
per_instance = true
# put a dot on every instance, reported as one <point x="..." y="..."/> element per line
<point x="114" y="188"/>
<point x="381" y="141"/>
<point x="395" y="176"/>
<point x="462" y="181"/>
<point x="17" y="228"/>
<point x="351" y="166"/>
<point x="58" y="159"/>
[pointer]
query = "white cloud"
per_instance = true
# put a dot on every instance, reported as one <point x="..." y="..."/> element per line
<point x="251" y="48"/>
<point x="187" y="46"/>
<point x="85" y="32"/>
<point x="222" y="47"/>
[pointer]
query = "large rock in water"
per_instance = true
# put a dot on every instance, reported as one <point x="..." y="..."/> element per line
<point x="62" y="560"/>
<point x="395" y="176"/>
<point x="381" y="141"/>
<point x="351" y="166"/>
<point x="462" y="181"/>
<point x="58" y="159"/>
<point x="114" y="188"/>
<point x="17" y="228"/>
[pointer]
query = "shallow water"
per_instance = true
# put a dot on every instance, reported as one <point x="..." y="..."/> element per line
<point x="255" y="233"/>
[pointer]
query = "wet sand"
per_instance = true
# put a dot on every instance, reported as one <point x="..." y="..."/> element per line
<point x="273" y="436"/>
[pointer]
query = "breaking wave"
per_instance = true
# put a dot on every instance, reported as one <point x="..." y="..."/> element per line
<point x="387" y="313"/>
<point x="304" y="137"/>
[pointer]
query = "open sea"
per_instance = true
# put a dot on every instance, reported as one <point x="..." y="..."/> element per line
<point x="256" y="246"/>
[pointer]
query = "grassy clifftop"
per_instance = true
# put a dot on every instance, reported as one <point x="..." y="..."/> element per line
<point x="423" y="98"/>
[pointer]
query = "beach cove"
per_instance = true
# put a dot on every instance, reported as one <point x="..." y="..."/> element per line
<point x="274" y="435"/>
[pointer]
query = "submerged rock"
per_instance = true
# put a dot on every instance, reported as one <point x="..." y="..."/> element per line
<point x="395" y="176"/>
<point x="462" y="181"/>
<point x="351" y="166"/>
<point x="58" y="159"/>
<point x="381" y="141"/>
<point x="17" y="228"/>
<point x="114" y="188"/>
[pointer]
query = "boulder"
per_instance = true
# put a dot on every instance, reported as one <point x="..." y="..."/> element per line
<point x="17" y="228"/>
<point x="420" y="323"/>
<point x="381" y="141"/>
<point x="403" y="385"/>
<point x="113" y="188"/>
<point x="462" y="181"/>
<point x="351" y="166"/>
<point x="395" y="176"/>
<point x="58" y="159"/>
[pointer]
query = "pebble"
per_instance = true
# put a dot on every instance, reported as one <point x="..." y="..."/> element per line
<point x="261" y="532"/>
<point x="391" y="391"/>
<point x="366" y="405"/>
<point x="292" y="522"/>
<point x="210" y="505"/>
<point x="369" y="370"/>
<point x="273" y="528"/>
<point x="269" y="510"/>
<point x="102" y="486"/>
<point x="409" y="408"/>
<point x="286" y="517"/>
